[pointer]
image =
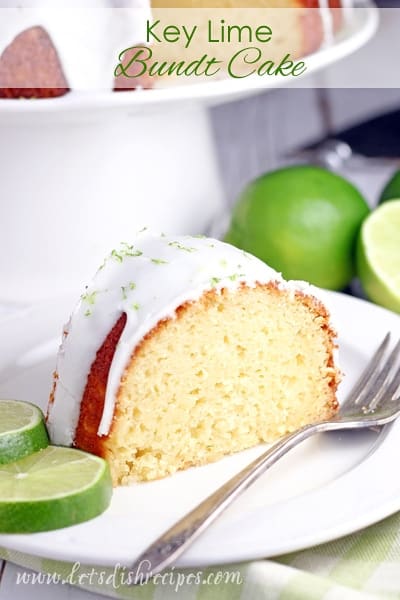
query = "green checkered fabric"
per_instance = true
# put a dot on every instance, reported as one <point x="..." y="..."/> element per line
<point x="364" y="565"/>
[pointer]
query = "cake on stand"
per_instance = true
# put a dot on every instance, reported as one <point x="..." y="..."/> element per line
<point x="82" y="172"/>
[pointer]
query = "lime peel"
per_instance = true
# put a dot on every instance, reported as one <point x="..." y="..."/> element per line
<point x="303" y="221"/>
<point x="27" y="503"/>
<point x="378" y="255"/>
<point x="22" y="430"/>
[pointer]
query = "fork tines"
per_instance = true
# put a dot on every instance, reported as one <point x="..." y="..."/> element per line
<point x="379" y="381"/>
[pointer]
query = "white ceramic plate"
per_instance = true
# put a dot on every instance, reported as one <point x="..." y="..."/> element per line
<point x="330" y="486"/>
<point x="350" y="39"/>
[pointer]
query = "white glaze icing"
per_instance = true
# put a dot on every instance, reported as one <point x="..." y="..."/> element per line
<point x="327" y="22"/>
<point x="148" y="280"/>
<point x="88" y="35"/>
<point x="326" y="13"/>
<point x="348" y="11"/>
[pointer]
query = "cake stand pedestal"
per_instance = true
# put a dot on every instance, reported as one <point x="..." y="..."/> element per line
<point x="75" y="186"/>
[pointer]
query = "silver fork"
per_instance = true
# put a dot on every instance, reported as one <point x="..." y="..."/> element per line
<point x="374" y="401"/>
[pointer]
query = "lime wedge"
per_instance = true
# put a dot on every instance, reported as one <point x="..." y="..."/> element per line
<point x="378" y="255"/>
<point x="22" y="430"/>
<point x="53" y="488"/>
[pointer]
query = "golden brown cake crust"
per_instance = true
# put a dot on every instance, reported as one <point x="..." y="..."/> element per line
<point x="92" y="403"/>
<point x="31" y="56"/>
<point x="86" y="436"/>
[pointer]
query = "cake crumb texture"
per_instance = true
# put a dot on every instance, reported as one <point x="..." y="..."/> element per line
<point x="230" y="371"/>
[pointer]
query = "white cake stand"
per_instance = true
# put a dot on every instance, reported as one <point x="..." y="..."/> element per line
<point x="82" y="172"/>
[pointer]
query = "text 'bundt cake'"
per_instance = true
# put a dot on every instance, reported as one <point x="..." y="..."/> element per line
<point x="47" y="50"/>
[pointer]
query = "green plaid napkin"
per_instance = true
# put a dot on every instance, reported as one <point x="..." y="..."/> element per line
<point x="364" y="565"/>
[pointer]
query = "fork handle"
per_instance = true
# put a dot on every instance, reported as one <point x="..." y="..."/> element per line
<point x="167" y="548"/>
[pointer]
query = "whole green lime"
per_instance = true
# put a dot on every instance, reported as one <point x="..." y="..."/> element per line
<point x="391" y="191"/>
<point x="303" y="221"/>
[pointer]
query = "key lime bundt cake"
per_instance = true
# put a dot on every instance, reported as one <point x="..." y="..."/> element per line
<point x="184" y="349"/>
<point x="48" y="48"/>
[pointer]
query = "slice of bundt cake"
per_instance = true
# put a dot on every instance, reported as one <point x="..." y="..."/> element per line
<point x="184" y="349"/>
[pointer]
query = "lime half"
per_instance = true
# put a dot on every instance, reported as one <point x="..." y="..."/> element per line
<point x="22" y="430"/>
<point x="378" y="255"/>
<point x="53" y="488"/>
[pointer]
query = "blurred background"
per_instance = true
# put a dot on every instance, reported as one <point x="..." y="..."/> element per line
<point x="272" y="126"/>
<point x="344" y="116"/>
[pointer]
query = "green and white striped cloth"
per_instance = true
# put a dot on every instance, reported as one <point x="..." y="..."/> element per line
<point x="364" y="565"/>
